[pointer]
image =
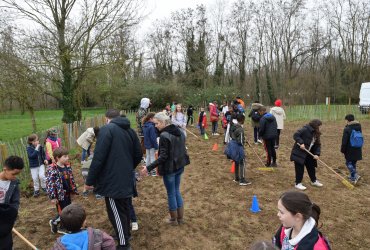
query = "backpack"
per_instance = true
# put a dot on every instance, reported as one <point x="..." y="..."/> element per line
<point x="255" y="116"/>
<point x="356" y="139"/>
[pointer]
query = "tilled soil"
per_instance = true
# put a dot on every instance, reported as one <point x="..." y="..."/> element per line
<point x="217" y="210"/>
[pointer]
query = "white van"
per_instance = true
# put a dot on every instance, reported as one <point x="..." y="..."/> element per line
<point x="364" y="104"/>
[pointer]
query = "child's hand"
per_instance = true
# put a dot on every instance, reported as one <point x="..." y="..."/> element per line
<point x="144" y="171"/>
<point x="316" y="157"/>
<point x="86" y="187"/>
<point x="54" y="201"/>
<point x="302" y="146"/>
<point x="46" y="162"/>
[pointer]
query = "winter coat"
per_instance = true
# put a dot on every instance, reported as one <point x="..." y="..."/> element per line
<point x="179" y="119"/>
<point x="279" y="115"/>
<point x="172" y="153"/>
<point x="150" y="135"/>
<point x="50" y="145"/>
<point x="268" y="127"/>
<point x="203" y="122"/>
<point x="97" y="240"/>
<point x="254" y="115"/>
<point x="86" y="138"/>
<point x="54" y="182"/>
<point x="12" y="196"/>
<point x="36" y="156"/>
<point x="7" y="220"/>
<point x="304" y="136"/>
<point x="116" y="155"/>
<point x="350" y="153"/>
<point x="213" y="113"/>
<point x="141" y="113"/>
<point x="237" y="134"/>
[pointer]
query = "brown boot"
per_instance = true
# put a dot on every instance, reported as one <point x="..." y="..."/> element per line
<point x="173" y="220"/>
<point x="180" y="215"/>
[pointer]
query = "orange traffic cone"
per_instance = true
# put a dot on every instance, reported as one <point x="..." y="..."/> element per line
<point x="232" y="169"/>
<point x="215" y="147"/>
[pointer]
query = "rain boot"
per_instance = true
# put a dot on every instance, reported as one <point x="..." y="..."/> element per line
<point x="180" y="215"/>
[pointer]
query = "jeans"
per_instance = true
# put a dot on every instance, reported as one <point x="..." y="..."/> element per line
<point x="150" y="156"/>
<point x="202" y="130"/>
<point x="38" y="175"/>
<point x="214" y="127"/>
<point x="351" y="165"/>
<point x="270" y="151"/>
<point x="85" y="152"/>
<point x="172" y="184"/>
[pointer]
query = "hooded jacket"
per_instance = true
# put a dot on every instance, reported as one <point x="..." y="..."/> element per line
<point x="86" y="138"/>
<point x="150" y="135"/>
<point x="253" y="114"/>
<point x="304" y="136"/>
<point x="268" y="127"/>
<point x="351" y="153"/>
<point x="36" y="156"/>
<point x="172" y="153"/>
<point x="95" y="240"/>
<point x="141" y="113"/>
<point x="7" y="219"/>
<point x="116" y="155"/>
<point x="279" y="115"/>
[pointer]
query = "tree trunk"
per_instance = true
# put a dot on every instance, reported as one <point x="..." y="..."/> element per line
<point x="33" y="119"/>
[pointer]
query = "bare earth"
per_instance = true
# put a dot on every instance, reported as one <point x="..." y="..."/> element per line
<point x="217" y="209"/>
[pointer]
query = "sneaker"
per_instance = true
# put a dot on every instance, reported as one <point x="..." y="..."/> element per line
<point x="259" y="141"/>
<point x="216" y="134"/>
<point x="268" y="165"/>
<point x="245" y="183"/>
<point x="357" y="179"/>
<point x="236" y="180"/>
<point x="134" y="226"/>
<point x="256" y="143"/>
<point x="153" y="173"/>
<point x="53" y="227"/>
<point x="99" y="197"/>
<point x="36" y="193"/>
<point x="85" y="193"/>
<point x="63" y="231"/>
<point x="317" y="184"/>
<point x="44" y="190"/>
<point x="276" y="146"/>
<point x="273" y="165"/>
<point x="300" y="186"/>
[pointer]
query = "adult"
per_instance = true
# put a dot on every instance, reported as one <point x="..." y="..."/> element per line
<point x="116" y="155"/>
<point x="172" y="158"/>
<point x="279" y="114"/>
<point x="214" y="116"/>
<point x="141" y="113"/>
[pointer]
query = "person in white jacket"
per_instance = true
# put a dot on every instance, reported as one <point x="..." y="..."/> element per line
<point x="85" y="141"/>
<point x="279" y="114"/>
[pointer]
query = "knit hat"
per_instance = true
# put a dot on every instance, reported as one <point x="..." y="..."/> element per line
<point x="278" y="103"/>
<point x="53" y="131"/>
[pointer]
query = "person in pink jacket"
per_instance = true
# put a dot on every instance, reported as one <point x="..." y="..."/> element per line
<point x="51" y="143"/>
<point x="214" y="116"/>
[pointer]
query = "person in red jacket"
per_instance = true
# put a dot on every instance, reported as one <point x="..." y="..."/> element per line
<point x="202" y="121"/>
<point x="214" y="116"/>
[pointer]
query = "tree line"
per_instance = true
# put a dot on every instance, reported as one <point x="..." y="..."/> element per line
<point x="88" y="53"/>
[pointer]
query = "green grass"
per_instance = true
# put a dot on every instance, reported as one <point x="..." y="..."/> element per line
<point x="14" y="125"/>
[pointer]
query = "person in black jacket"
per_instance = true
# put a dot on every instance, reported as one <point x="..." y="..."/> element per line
<point x="307" y="138"/>
<point x="172" y="158"/>
<point x="351" y="154"/>
<point x="116" y="155"/>
<point x="268" y="132"/>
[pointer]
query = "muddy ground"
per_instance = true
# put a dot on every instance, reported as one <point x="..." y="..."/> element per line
<point x="217" y="209"/>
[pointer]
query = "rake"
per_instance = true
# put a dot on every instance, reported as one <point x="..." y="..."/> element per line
<point x="24" y="239"/>
<point x="191" y="133"/>
<point x="344" y="181"/>
<point x="259" y="158"/>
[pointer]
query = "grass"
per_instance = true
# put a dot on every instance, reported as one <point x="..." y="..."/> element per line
<point x="14" y="125"/>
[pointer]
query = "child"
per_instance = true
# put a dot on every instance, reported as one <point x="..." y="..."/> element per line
<point x="189" y="114"/>
<point x="268" y="131"/>
<point x="308" y="138"/>
<point x="150" y="139"/>
<point x="73" y="218"/>
<point x="235" y="150"/>
<point x="52" y="142"/>
<point x="37" y="159"/>
<point x="255" y="120"/>
<point x="279" y="114"/>
<point x="299" y="218"/>
<point x="85" y="141"/>
<point x="226" y="120"/>
<point x="213" y="117"/>
<point x="60" y="185"/>
<point x="351" y="153"/>
<point x="202" y="121"/>
<point x="179" y="119"/>
<point x="9" y="199"/>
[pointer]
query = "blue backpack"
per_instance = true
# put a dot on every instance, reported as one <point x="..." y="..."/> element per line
<point x="356" y="139"/>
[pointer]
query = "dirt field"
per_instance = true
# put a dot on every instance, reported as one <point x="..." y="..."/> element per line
<point x="217" y="209"/>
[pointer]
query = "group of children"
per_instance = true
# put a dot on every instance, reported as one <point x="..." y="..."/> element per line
<point x="297" y="214"/>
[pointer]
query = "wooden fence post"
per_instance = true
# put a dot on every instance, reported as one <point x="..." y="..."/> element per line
<point x="66" y="135"/>
<point x="4" y="152"/>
